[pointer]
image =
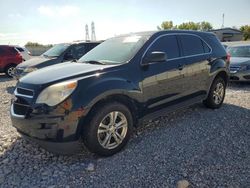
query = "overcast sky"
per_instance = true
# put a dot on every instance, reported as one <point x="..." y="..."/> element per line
<point x="54" y="21"/>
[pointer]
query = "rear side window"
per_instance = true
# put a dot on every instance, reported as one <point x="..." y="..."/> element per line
<point x="19" y="49"/>
<point x="167" y="44"/>
<point x="12" y="50"/>
<point x="80" y="50"/>
<point x="90" y="46"/>
<point x="193" y="45"/>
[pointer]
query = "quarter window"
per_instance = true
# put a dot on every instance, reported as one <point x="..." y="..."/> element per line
<point x="167" y="44"/>
<point x="193" y="45"/>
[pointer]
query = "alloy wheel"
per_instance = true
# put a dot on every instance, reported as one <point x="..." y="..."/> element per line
<point x="218" y="93"/>
<point x="112" y="130"/>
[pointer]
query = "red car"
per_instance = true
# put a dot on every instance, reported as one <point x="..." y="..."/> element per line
<point x="9" y="59"/>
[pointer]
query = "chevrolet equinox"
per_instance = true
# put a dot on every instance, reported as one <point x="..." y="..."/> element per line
<point x="96" y="101"/>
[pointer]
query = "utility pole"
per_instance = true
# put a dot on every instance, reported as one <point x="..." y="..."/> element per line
<point x="223" y="19"/>
<point x="86" y="32"/>
<point x="93" y="37"/>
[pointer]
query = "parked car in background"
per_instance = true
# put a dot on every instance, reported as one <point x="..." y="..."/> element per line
<point x="123" y="81"/>
<point x="57" y="54"/>
<point x="240" y="62"/>
<point x="24" y="52"/>
<point x="9" y="59"/>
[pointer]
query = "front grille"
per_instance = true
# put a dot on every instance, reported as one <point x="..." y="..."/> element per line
<point x="26" y="92"/>
<point x="235" y="68"/>
<point x="247" y="77"/>
<point x="21" y="107"/>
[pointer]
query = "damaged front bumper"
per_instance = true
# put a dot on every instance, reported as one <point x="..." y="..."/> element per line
<point x="57" y="129"/>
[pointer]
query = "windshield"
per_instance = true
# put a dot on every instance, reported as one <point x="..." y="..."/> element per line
<point x="56" y="50"/>
<point x="239" y="51"/>
<point x="115" y="50"/>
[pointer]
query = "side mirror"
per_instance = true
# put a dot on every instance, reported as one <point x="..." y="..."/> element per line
<point x="154" y="57"/>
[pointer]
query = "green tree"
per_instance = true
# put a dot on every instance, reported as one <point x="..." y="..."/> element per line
<point x="167" y="25"/>
<point x="35" y="44"/>
<point x="205" y="26"/>
<point x="245" y="29"/>
<point x="189" y="26"/>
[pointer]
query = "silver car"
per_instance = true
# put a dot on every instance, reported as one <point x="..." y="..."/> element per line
<point x="240" y="62"/>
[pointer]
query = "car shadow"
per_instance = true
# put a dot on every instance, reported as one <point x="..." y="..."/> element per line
<point x="177" y="141"/>
<point x="4" y="78"/>
<point x="239" y="85"/>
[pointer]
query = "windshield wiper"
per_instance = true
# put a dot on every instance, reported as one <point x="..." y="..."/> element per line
<point x="95" y="62"/>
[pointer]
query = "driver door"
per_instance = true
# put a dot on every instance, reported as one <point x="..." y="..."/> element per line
<point x="163" y="81"/>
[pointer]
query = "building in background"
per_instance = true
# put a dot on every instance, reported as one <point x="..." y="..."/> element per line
<point x="228" y="34"/>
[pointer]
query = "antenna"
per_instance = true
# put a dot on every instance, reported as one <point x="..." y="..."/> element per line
<point x="223" y="18"/>
<point x="93" y="37"/>
<point x="86" y="32"/>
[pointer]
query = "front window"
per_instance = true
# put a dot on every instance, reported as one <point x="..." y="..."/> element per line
<point x="239" y="51"/>
<point x="116" y="50"/>
<point x="56" y="50"/>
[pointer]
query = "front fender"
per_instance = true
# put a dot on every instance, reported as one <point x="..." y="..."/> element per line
<point x="87" y="97"/>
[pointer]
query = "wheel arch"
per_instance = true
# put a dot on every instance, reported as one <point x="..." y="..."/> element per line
<point x="8" y="65"/>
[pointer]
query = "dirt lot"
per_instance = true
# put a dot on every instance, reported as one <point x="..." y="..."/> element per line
<point x="196" y="146"/>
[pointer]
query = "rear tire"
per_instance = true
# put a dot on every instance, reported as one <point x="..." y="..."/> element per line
<point x="9" y="70"/>
<point x="216" y="94"/>
<point x="109" y="129"/>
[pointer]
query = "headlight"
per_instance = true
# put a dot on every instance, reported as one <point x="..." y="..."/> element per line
<point x="29" y="69"/>
<point x="56" y="93"/>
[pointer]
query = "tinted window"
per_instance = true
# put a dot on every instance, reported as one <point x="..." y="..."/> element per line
<point x="19" y="49"/>
<point x="191" y="45"/>
<point x="239" y="51"/>
<point x="90" y="46"/>
<point x="80" y="50"/>
<point x="205" y="47"/>
<point x="167" y="44"/>
<point x="12" y="50"/>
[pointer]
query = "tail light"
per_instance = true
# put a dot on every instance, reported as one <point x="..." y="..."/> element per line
<point x="19" y="56"/>
<point x="228" y="58"/>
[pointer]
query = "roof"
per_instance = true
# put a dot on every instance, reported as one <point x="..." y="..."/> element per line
<point x="225" y="29"/>
<point x="150" y="33"/>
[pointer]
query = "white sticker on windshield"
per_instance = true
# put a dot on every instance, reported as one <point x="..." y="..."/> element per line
<point x="131" y="39"/>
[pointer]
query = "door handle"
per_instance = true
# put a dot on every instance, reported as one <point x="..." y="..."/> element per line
<point x="180" y="66"/>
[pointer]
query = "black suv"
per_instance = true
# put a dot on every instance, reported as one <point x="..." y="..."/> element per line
<point x="115" y="86"/>
<point x="57" y="54"/>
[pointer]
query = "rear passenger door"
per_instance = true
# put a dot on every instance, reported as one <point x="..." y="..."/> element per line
<point x="163" y="82"/>
<point x="196" y="54"/>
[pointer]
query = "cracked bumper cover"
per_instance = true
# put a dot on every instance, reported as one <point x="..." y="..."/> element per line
<point x="56" y="132"/>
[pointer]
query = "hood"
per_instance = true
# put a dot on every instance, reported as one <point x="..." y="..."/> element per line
<point x="239" y="60"/>
<point x="35" y="62"/>
<point x="62" y="71"/>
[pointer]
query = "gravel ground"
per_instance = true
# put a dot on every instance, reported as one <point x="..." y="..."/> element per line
<point x="198" y="147"/>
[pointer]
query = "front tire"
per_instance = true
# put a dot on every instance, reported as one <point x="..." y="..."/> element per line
<point x="216" y="94"/>
<point x="109" y="129"/>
